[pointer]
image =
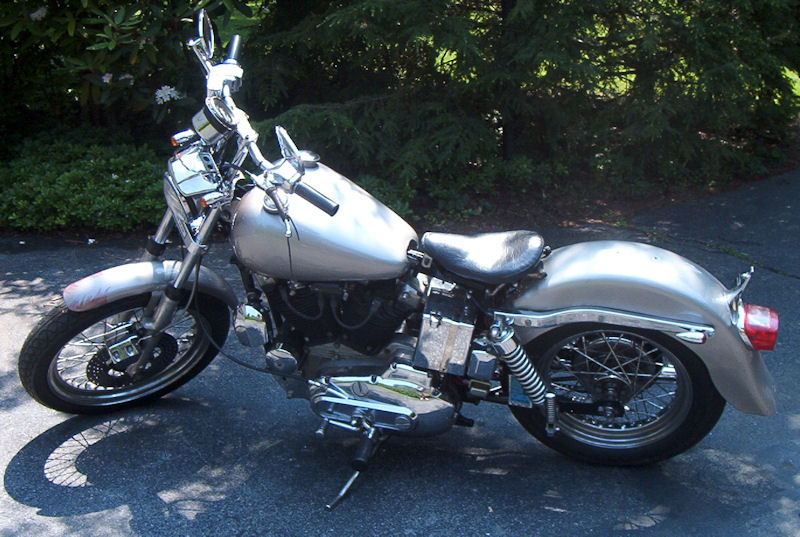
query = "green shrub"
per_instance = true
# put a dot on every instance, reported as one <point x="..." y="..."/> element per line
<point x="80" y="180"/>
<point x="446" y="99"/>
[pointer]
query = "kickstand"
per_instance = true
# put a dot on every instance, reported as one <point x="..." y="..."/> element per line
<point x="343" y="492"/>
<point x="366" y="450"/>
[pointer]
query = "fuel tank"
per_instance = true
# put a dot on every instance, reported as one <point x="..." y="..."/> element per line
<point x="364" y="240"/>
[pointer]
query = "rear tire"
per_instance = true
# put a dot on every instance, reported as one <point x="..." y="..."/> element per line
<point x="65" y="361"/>
<point x="664" y="389"/>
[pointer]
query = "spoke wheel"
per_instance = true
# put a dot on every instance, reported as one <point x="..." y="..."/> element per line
<point x="77" y="361"/>
<point x="650" y="396"/>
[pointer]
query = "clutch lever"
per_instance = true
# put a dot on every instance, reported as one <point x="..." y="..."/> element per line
<point x="270" y="188"/>
<point x="287" y="221"/>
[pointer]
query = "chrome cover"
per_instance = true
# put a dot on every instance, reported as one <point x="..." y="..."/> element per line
<point x="365" y="240"/>
<point x="193" y="171"/>
<point x="401" y="400"/>
<point x="640" y="285"/>
<point x="135" y="278"/>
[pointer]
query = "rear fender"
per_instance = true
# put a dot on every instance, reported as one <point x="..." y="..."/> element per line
<point x="642" y="286"/>
<point x="136" y="278"/>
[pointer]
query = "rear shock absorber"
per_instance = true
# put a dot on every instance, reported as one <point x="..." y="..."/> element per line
<point x="507" y="349"/>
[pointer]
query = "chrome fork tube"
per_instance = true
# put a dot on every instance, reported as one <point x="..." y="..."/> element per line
<point x="168" y="304"/>
<point x="158" y="242"/>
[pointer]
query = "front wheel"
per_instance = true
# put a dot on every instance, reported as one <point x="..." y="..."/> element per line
<point x="627" y="396"/>
<point x="75" y="361"/>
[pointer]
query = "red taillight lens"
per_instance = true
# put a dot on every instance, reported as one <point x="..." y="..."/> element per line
<point x="761" y="326"/>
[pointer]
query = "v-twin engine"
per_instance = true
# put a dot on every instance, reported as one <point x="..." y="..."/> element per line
<point x="401" y="399"/>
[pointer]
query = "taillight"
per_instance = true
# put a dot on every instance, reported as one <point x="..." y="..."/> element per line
<point x="761" y="326"/>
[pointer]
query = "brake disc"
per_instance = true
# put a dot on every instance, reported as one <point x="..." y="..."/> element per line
<point x="103" y="371"/>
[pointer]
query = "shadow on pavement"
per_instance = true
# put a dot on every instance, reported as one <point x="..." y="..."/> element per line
<point x="185" y="468"/>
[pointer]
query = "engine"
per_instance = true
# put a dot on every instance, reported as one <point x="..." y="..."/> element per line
<point x="361" y="317"/>
<point x="345" y="338"/>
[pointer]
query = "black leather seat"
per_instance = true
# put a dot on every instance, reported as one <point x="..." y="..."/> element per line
<point x="491" y="258"/>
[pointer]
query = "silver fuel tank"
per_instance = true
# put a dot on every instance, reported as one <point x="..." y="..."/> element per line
<point x="364" y="240"/>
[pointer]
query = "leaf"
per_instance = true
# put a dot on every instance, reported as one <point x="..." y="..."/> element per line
<point x="15" y="31"/>
<point x="119" y="16"/>
<point x="242" y="7"/>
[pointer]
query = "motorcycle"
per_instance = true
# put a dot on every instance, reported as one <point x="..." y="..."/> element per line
<point x="609" y="352"/>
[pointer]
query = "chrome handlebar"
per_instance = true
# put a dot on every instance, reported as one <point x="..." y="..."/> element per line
<point x="221" y="81"/>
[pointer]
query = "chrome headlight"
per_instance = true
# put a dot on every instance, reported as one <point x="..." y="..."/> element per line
<point x="214" y="121"/>
<point x="193" y="171"/>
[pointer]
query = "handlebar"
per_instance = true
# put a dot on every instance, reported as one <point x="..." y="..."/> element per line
<point x="224" y="78"/>
<point x="233" y="49"/>
<point x="317" y="199"/>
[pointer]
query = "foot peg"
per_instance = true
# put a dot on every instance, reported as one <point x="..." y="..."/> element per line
<point x="367" y="448"/>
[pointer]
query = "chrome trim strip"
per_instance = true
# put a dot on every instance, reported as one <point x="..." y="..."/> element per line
<point x="533" y="319"/>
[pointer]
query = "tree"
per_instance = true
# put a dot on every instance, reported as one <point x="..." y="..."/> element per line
<point x="439" y="96"/>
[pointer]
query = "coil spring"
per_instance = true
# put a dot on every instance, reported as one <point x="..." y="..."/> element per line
<point x="515" y="357"/>
<point x="522" y="368"/>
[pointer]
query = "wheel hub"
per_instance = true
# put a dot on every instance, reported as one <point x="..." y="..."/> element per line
<point x="107" y="371"/>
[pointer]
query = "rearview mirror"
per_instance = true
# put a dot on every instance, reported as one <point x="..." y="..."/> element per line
<point x="206" y="32"/>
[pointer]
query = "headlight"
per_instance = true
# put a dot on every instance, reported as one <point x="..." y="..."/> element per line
<point x="193" y="171"/>
<point x="214" y="121"/>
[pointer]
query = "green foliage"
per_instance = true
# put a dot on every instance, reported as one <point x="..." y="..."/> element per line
<point x="448" y="99"/>
<point x="441" y="101"/>
<point x="106" y="62"/>
<point x="78" y="180"/>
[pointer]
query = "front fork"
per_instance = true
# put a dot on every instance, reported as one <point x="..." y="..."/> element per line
<point x="162" y="306"/>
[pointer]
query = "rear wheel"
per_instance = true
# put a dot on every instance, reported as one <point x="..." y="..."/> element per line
<point x="627" y="396"/>
<point x="75" y="361"/>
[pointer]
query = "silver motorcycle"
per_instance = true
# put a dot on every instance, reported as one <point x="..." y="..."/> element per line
<point x="609" y="352"/>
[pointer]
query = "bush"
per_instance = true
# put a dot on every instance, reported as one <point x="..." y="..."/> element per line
<point x="84" y="182"/>
<point x="102" y="62"/>
<point x="437" y="101"/>
<point x="446" y="99"/>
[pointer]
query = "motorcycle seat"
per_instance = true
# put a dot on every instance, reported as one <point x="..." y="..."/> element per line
<point x="491" y="258"/>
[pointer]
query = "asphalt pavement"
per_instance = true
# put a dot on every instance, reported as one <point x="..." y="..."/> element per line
<point x="229" y="455"/>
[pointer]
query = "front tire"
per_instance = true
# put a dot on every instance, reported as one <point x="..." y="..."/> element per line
<point x="66" y="361"/>
<point x="659" y="397"/>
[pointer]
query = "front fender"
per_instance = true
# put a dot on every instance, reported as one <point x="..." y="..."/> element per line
<point x="641" y="285"/>
<point x="136" y="278"/>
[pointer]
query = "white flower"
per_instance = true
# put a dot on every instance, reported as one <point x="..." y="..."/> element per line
<point x="127" y="77"/>
<point x="167" y="93"/>
<point x="39" y="14"/>
<point x="107" y="78"/>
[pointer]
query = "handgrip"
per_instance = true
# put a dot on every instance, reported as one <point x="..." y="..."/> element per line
<point x="316" y="199"/>
<point x="233" y="49"/>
